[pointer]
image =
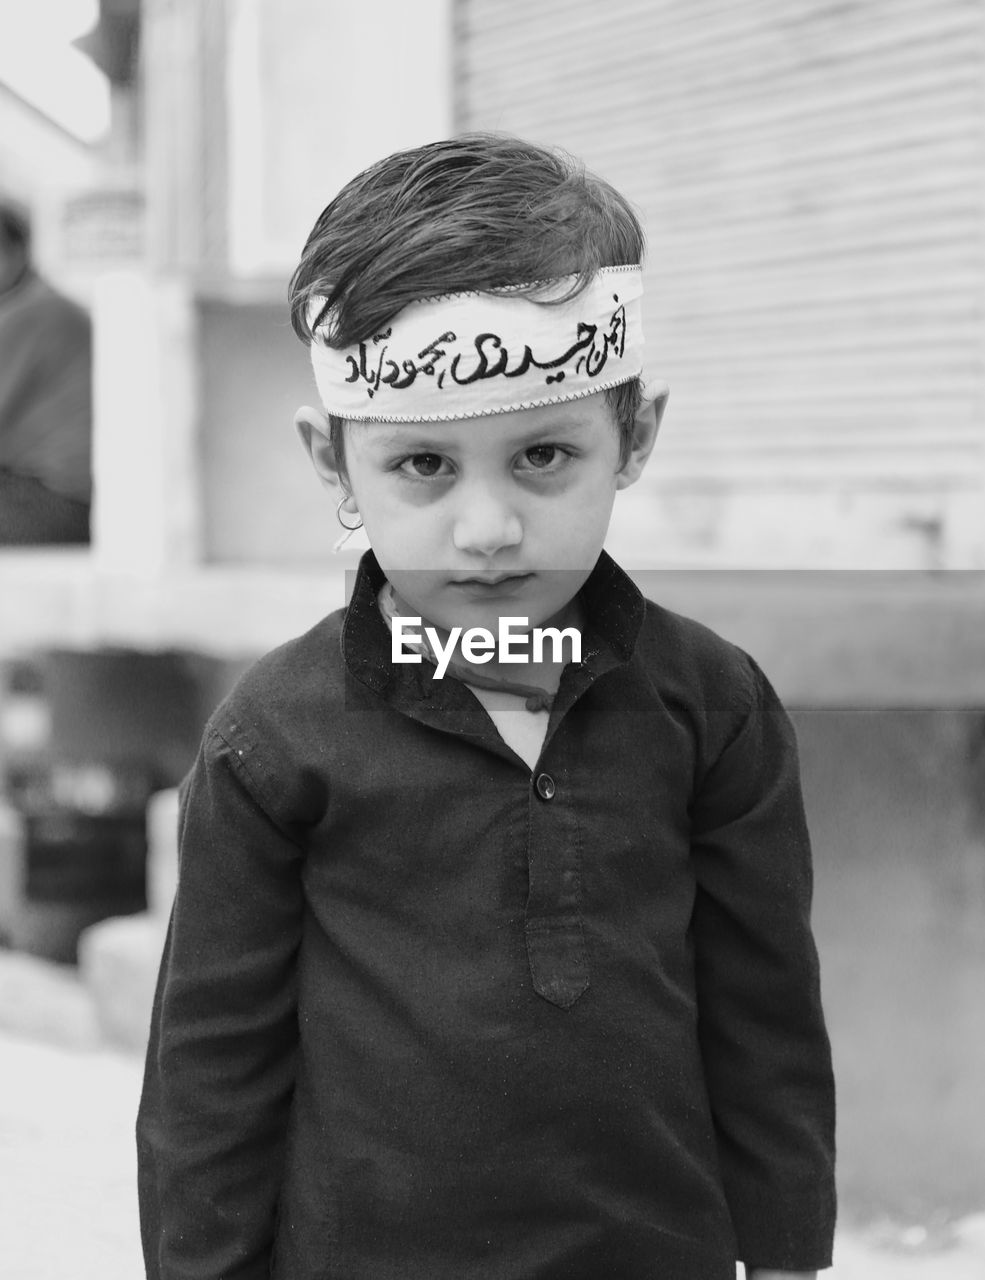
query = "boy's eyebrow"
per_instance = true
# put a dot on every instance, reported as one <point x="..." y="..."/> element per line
<point x="406" y="439"/>
<point x="403" y="440"/>
<point x="563" y="424"/>
<point x="545" y="430"/>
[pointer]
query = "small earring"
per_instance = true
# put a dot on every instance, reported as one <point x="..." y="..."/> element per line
<point x="350" y="529"/>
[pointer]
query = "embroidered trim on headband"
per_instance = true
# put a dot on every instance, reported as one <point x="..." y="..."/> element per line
<point x="466" y="355"/>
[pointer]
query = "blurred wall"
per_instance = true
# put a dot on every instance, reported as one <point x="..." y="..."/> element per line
<point x="257" y="112"/>
<point x="896" y="805"/>
<point x="263" y="500"/>
<point x="318" y="90"/>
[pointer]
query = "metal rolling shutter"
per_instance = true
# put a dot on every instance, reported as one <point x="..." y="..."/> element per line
<point x="812" y="176"/>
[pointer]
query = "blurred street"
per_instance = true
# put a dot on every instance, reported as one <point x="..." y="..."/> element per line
<point x="68" y="1204"/>
<point x="67" y="1179"/>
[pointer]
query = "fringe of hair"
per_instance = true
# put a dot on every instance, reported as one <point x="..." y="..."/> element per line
<point x="476" y="212"/>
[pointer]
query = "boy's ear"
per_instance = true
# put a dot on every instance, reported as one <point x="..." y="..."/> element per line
<point x="644" y="432"/>
<point x="315" y="433"/>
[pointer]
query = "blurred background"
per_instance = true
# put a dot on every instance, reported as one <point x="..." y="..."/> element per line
<point x="810" y="176"/>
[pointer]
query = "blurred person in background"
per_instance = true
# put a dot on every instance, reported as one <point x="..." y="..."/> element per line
<point x="45" y="400"/>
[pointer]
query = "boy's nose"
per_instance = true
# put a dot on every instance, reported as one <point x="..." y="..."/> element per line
<point x="485" y="524"/>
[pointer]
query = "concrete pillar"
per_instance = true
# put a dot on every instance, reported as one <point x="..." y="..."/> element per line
<point x="145" y="448"/>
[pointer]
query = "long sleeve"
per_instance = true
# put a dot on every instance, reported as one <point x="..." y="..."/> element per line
<point x="211" y="1130"/>
<point x="763" y="1041"/>
<point x="32" y="515"/>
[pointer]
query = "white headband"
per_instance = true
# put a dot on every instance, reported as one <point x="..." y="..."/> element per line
<point x="464" y="355"/>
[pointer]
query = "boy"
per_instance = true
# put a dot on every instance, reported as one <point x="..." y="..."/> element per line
<point x="503" y="973"/>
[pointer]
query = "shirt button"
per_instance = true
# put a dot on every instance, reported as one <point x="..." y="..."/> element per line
<point x="545" y="786"/>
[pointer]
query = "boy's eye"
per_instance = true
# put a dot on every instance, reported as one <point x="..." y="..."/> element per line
<point x="541" y="456"/>
<point x="423" y="464"/>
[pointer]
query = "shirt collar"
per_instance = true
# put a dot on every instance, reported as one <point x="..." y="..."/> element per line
<point x="614" y="611"/>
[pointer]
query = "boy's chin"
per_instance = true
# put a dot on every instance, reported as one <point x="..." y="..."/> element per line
<point x="541" y="598"/>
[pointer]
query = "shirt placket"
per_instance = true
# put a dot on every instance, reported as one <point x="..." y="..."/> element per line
<point x="553" y="927"/>
<point x="554" y="930"/>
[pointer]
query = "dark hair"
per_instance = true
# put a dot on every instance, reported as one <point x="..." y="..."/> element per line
<point x="15" y="227"/>
<point x="475" y="212"/>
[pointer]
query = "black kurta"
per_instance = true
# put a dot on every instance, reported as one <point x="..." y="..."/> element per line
<point x="426" y="1015"/>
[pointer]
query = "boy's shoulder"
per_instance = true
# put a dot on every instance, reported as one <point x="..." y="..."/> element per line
<point x="692" y="646"/>
<point x="297" y="682"/>
<point x="696" y="667"/>
<point x="272" y="729"/>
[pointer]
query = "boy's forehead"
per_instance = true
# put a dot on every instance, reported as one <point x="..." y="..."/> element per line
<point x="582" y="417"/>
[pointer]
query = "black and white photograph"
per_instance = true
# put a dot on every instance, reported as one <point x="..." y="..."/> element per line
<point x="492" y="640"/>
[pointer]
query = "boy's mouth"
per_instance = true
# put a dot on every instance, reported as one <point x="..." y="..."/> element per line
<point x="490" y="583"/>
<point x="489" y="579"/>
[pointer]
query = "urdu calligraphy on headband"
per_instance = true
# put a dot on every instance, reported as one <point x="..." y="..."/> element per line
<point x="466" y="355"/>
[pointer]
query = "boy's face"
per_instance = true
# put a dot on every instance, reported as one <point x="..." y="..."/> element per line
<point x="476" y="519"/>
